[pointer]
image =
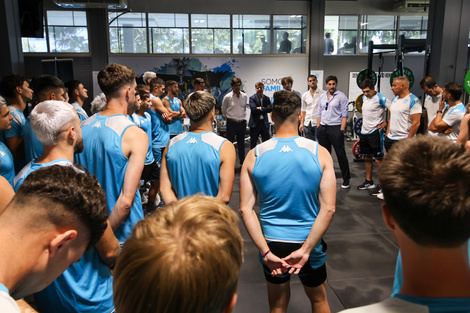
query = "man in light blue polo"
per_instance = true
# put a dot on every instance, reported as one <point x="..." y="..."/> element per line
<point x="331" y="123"/>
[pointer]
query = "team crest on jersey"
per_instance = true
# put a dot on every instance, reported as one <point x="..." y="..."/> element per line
<point x="97" y="125"/>
<point x="192" y="140"/>
<point x="285" y="149"/>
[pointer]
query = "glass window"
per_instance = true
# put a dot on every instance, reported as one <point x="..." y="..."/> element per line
<point x="381" y="29"/>
<point x="414" y="27"/>
<point x="210" y="33"/>
<point x="67" y="31"/>
<point x="340" y="34"/>
<point x="290" y="34"/>
<point x="37" y="45"/>
<point x="128" y="33"/>
<point x="169" y="33"/>
<point x="251" y="34"/>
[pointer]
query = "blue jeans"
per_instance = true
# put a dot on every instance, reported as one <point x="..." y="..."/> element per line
<point x="310" y="131"/>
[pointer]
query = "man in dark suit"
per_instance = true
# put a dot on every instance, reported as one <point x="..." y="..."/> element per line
<point x="260" y="106"/>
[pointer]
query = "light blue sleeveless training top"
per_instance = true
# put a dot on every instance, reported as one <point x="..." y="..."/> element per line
<point x="194" y="163"/>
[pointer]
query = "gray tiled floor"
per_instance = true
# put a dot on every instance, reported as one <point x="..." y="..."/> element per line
<point x="361" y="253"/>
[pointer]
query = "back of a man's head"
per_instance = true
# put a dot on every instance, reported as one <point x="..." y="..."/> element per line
<point x="44" y="85"/>
<point x="286" y="105"/>
<point x="426" y="183"/>
<point x="148" y="75"/>
<point x="183" y="258"/>
<point x="49" y="118"/>
<point x="63" y="197"/>
<point x="9" y="83"/>
<point x="113" y="77"/>
<point x="428" y="81"/>
<point x="199" y="105"/>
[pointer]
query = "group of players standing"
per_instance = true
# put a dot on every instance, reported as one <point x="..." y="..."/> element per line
<point x="110" y="146"/>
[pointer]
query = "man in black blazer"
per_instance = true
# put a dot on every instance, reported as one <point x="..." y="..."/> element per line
<point x="260" y="106"/>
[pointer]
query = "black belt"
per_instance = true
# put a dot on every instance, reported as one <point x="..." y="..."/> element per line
<point x="235" y="121"/>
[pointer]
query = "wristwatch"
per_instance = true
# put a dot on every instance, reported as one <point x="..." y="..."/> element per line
<point x="439" y="111"/>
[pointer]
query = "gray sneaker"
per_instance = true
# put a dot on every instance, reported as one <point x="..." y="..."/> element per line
<point x="367" y="184"/>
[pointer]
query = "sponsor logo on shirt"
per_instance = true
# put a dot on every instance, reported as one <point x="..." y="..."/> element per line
<point x="192" y="140"/>
<point x="97" y="125"/>
<point x="2" y="154"/>
<point x="285" y="149"/>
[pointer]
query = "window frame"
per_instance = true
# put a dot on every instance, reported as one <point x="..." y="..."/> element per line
<point x="48" y="42"/>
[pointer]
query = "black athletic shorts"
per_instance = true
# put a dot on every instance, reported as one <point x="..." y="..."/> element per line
<point x="151" y="172"/>
<point x="371" y="144"/>
<point x="309" y="276"/>
<point x="388" y="143"/>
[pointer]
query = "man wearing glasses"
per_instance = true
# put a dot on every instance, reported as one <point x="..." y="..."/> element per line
<point x="331" y="123"/>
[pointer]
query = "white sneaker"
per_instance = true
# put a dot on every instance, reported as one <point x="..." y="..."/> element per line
<point x="380" y="196"/>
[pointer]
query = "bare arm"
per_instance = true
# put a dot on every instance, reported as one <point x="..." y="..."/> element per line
<point x="157" y="106"/>
<point x="318" y="121"/>
<point x="250" y="219"/>
<point x="7" y="193"/>
<point x="16" y="146"/>
<point x="134" y="146"/>
<point x="108" y="247"/>
<point x="226" y="172"/>
<point x="415" y="118"/>
<point x="302" y="120"/>
<point x="327" y="198"/>
<point x="25" y="307"/>
<point x="168" y="194"/>
<point x="463" y="135"/>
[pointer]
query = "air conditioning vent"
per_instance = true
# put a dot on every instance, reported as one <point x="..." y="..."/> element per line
<point x="92" y="4"/>
<point x="412" y="6"/>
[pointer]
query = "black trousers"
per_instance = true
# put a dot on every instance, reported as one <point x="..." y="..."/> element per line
<point x="260" y="129"/>
<point x="238" y="130"/>
<point x="332" y="135"/>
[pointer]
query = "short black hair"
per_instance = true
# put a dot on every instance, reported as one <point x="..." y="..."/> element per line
<point x="454" y="89"/>
<point x="331" y="77"/>
<point x="9" y="83"/>
<point x="285" y="104"/>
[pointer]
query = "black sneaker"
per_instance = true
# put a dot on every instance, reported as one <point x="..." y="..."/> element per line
<point x="376" y="191"/>
<point x="367" y="184"/>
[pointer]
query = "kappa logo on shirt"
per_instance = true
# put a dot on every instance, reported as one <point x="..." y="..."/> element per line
<point x="285" y="149"/>
<point x="97" y="125"/>
<point x="192" y="140"/>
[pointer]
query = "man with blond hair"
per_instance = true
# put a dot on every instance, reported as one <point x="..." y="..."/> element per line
<point x="57" y="127"/>
<point x="198" y="161"/>
<point x="156" y="271"/>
